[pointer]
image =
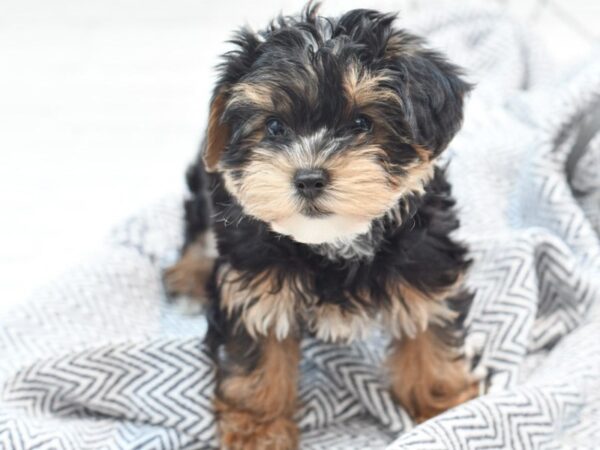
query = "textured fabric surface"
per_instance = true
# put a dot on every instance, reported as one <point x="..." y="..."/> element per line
<point x="99" y="359"/>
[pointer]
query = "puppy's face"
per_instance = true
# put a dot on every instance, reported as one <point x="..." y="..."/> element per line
<point x="320" y="126"/>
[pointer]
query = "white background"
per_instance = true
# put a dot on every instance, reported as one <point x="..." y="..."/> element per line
<point x="103" y="103"/>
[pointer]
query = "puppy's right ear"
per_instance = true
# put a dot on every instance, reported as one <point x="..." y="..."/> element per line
<point x="217" y="133"/>
<point x="234" y="65"/>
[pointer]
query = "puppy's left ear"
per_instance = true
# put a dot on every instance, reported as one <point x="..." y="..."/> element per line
<point x="234" y="65"/>
<point x="434" y="94"/>
<point x="217" y="133"/>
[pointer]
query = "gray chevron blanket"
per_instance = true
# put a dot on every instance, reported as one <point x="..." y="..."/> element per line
<point x="99" y="360"/>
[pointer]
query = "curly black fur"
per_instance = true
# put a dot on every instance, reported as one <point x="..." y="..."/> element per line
<point x="293" y="58"/>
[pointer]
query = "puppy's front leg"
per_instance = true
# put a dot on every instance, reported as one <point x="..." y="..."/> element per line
<point x="189" y="276"/>
<point x="428" y="376"/>
<point x="185" y="282"/>
<point x="256" y="393"/>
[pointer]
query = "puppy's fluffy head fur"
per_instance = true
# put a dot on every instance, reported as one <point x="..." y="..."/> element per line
<point x="319" y="126"/>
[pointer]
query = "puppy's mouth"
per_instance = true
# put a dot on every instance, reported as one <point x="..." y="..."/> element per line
<point x="314" y="211"/>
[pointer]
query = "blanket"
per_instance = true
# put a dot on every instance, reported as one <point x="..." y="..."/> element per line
<point x="99" y="359"/>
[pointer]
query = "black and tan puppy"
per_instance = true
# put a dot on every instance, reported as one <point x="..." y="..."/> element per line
<point x="317" y="178"/>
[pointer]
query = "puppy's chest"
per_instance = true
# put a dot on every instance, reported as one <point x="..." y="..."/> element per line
<point x="265" y="307"/>
<point x="331" y="322"/>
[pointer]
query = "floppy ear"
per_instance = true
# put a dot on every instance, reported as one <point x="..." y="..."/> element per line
<point x="217" y="133"/>
<point x="435" y="93"/>
<point x="234" y="65"/>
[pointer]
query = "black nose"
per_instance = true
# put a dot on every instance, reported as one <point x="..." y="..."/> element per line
<point x="310" y="182"/>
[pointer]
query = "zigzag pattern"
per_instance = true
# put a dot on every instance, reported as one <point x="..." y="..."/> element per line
<point x="324" y="402"/>
<point x="357" y="369"/>
<point x="549" y="408"/>
<point x="98" y="360"/>
<point x="505" y="306"/>
<point x="162" y="383"/>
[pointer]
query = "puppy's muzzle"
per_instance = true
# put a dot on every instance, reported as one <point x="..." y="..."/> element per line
<point x="310" y="183"/>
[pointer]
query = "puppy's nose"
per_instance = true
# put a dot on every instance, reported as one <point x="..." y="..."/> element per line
<point x="310" y="183"/>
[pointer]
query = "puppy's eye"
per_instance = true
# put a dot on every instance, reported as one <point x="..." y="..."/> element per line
<point x="275" y="127"/>
<point x="362" y="124"/>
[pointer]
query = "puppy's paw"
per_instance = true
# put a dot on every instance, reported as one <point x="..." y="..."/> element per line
<point x="240" y="430"/>
<point x="185" y="284"/>
<point x="441" y="401"/>
<point x="429" y="377"/>
<point x="454" y="386"/>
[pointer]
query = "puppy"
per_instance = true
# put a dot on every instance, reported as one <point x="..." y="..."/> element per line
<point x="317" y="181"/>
